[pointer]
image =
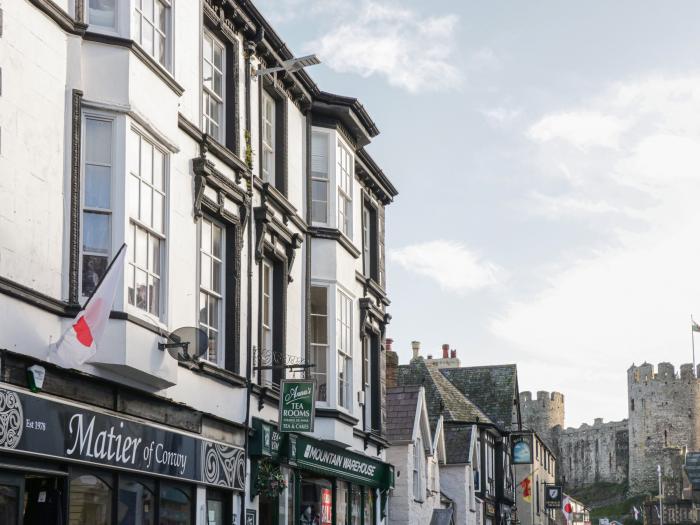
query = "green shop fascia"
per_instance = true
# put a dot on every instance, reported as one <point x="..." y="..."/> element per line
<point x="302" y="480"/>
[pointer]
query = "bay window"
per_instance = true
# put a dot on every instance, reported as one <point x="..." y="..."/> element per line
<point x="268" y="138"/>
<point x="319" y="177"/>
<point x="213" y="57"/>
<point x="345" y="182"/>
<point x="369" y="242"/>
<point x="319" y="340"/>
<point x="344" y="348"/>
<point x="151" y="29"/>
<point x="211" y="287"/>
<point x="146" y="236"/>
<point x="97" y="202"/>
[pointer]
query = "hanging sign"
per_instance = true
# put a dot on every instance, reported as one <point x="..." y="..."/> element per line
<point x="522" y="449"/>
<point x="552" y="496"/>
<point x="297" y="405"/>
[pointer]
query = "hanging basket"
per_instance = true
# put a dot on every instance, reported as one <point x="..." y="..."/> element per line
<point x="270" y="482"/>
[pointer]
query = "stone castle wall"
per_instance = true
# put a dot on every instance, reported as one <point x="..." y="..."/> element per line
<point x="590" y="454"/>
<point x="664" y="417"/>
<point x="664" y="412"/>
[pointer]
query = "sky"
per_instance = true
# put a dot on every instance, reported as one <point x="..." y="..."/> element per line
<point x="547" y="156"/>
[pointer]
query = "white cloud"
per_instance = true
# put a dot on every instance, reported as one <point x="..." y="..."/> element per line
<point x="582" y="129"/>
<point x="453" y="266"/>
<point x="501" y="116"/>
<point x="631" y="299"/>
<point x="410" y="50"/>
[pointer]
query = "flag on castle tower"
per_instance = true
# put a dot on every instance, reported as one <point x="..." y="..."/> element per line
<point x="636" y="513"/>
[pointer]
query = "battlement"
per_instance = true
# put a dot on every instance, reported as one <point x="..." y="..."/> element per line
<point x="663" y="372"/>
<point x="599" y="423"/>
<point x="543" y="397"/>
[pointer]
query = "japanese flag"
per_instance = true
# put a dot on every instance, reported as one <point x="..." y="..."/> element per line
<point x="567" y="508"/>
<point x="79" y="342"/>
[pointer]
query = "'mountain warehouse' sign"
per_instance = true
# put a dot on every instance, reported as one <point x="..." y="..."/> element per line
<point x="297" y="405"/>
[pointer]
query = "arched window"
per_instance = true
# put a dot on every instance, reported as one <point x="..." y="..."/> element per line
<point x="90" y="499"/>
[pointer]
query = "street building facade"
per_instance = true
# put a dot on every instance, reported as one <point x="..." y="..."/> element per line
<point x="253" y="217"/>
<point x="535" y="476"/>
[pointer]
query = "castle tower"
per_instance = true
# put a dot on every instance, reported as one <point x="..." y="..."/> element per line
<point x="544" y="415"/>
<point x="664" y="412"/>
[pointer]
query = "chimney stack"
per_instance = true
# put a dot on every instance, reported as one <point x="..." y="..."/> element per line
<point x="445" y="351"/>
<point x="415" y="345"/>
<point x="392" y="363"/>
<point x="453" y="353"/>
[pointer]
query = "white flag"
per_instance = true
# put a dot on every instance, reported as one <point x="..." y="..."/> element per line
<point x="636" y="513"/>
<point x="79" y="342"/>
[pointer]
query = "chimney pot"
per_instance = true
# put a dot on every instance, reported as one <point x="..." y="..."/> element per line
<point x="453" y="353"/>
<point x="387" y="344"/>
<point x="415" y="346"/>
<point x="445" y="351"/>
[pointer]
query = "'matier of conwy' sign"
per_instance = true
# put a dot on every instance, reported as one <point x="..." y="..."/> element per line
<point x="37" y="425"/>
<point x="297" y="405"/>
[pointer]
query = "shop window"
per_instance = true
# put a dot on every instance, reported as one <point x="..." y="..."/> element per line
<point x="136" y="502"/>
<point x="316" y="502"/>
<point x="370" y="513"/>
<point x="216" y="508"/>
<point x="90" y="499"/>
<point x="175" y="505"/>
<point x="342" y="502"/>
<point x="356" y="506"/>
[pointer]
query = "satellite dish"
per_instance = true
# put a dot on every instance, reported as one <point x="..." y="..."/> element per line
<point x="187" y="343"/>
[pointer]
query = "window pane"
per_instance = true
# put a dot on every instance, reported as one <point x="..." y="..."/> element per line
<point x="175" y="506"/>
<point x="154" y="254"/>
<point x="130" y="282"/>
<point x="203" y="308"/>
<point x="137" y="28"/>
<point x="158" y="168"/>
<point x="208" y="75"/>
<point x="319" y="155"/>
<point x="96" y="232"/>
<point x="98" y="138"/>
<point x="319" y="212"/>
<point x="216" y="276"/>
<point x="141" y="252"/>
<point x="133" y="196"/>
<point x="218" y="84"/>
<point x="218" y="57"/>
<point x="141" y="289"/>
<point x="206" y="235"/>
<point x="102" y="12"/>
<point x="146" y="202"/>
<point x="94" y="267"/>
<point x="207" y="48"/>
<point x="160" y="16"/>
<point x="319" y="300"/>
<point x="205" y="272"/>
<point x="146" y="161"/>
<point x="216" y="241"/>
<point x="158" y="211"/>
<point x="90" y="500"/>
<point x="147" y="8"/>
<point x="97" y="186"/>
<point x="153" y="295"/>
<point x="214" y="312"/>
<point x="136" y="503"/>
<point x="319" y="329"/>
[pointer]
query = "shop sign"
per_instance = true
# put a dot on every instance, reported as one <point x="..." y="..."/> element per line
<point x="521" y="449"/>
<point x="267" y="441"/>
<point x="326" y="459"/>
<point x="36" y="425"/>
<point x="490" y="508"/>
<point x="552" y="496"/>
<point x="297" y="405"/>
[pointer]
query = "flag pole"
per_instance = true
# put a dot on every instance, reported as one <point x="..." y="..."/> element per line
<point x="692" y="338"/>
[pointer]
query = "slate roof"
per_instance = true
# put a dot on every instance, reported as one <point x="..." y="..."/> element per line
<point x="401" y="405"/>
<point x="692" y="468"/>
<point x="442" y="516"/>
<point x="441" y="396"/>
<point x="492" y="388"/>
<point x="457" y="440"/>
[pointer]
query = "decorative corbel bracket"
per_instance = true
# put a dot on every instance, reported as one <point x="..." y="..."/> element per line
<point x="202" y="169"/>
<point x="262" y="219"/>
<point x="292" y="253"/>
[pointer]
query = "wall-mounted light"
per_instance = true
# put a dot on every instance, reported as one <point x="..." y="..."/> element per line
<point x="35" y="377"/>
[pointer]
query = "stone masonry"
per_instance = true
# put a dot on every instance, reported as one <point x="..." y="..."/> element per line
<point x="664" y="415"/>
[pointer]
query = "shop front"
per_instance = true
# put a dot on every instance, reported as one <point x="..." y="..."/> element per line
<point x="300" y="480"/>
<point x="67" y="463"/>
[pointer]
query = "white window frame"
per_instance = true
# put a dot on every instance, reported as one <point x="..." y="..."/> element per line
<point x="345" y="183"/>
<point x="220" y="296"/>
<point x="366" y="241"/>
<point x="138" y="223"/>
<point x="207" y="93"/>
<point x="269" y="151"/>
<point x="344" y="352"/>
<point x="317" y="176"/>
<point x="477" y="467"/>
<point x="326" y="347"/>
<point x="113" y="28"/>
<point x="141" y="18"/>
<point x="267" y="335"/>
<point x="418" y="470"/>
